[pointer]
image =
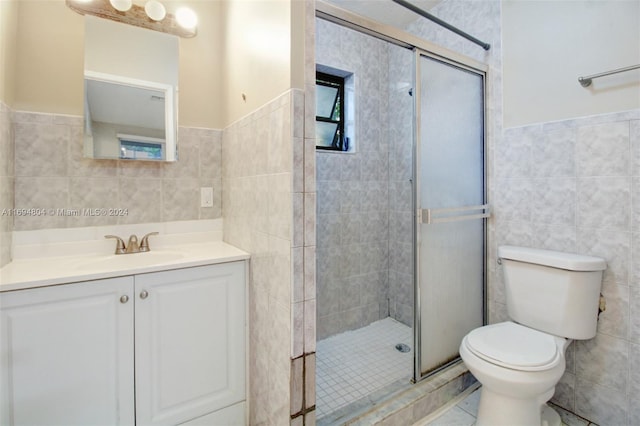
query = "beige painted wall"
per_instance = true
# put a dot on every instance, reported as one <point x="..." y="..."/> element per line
<point x="50" y="58"/>
<point x="257" y="51"/>
<point x="8" y="33"/>
<point x="549" y="44"/>
<point x="201" y="68"/>
<point x="49" y="66"/>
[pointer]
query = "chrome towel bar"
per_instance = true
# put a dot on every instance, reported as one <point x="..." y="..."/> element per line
<point x="586" y="81"/>
<point x="453" y="214"/>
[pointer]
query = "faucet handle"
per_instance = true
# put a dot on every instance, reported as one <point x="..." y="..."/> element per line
<point x="144" y="244"/>
<point x="120" y="247"/>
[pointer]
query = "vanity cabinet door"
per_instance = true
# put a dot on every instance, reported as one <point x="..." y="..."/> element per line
<point x="66" y="354"/>
<point x="190" y="343"/>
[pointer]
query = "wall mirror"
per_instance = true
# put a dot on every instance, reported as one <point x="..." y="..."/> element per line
<point x="131" y="86"/>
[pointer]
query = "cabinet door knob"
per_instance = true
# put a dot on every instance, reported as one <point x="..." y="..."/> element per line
<point x="124" y="299"/>
<point x="144" y="294"/>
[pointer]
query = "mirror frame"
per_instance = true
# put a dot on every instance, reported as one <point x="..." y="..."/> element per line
<point x="170" y="110"/>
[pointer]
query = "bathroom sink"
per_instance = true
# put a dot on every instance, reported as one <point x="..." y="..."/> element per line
<point x="133" y="260"/>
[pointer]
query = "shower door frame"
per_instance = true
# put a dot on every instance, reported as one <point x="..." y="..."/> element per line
<point x="417" y="222"/>
<point x="419" y="46"/>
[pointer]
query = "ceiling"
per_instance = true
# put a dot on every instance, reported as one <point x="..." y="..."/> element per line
<point x="385" y="11"/>
<point x="125" y="105"/>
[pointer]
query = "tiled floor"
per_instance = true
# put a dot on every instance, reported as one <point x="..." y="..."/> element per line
<point x="355" y="364"/>
<point x="462" y="412"/>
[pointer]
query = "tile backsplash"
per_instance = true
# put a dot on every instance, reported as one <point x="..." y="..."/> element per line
<point x="6" y="183"/>
<point x="51" y="174"/>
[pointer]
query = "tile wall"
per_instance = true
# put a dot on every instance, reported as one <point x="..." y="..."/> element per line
<point x="51" y="173"/>
<point x="257" y="211"/>
<point x="6" y="182"/>
<point x="574" y="186"/>
<point x="568" y="185"/>
<point x="354" y="190"/>
<point x="264" y="210"/>
<point x="401" y="121"/>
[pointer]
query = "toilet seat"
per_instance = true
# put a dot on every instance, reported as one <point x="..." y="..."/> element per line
<point x="514" y="346"/>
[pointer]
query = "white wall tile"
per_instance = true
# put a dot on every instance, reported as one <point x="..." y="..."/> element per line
<point x="553" y="154"/>
<point x="603" y="150"/>
<point x="263" y="215"/>
<point x="51" y="145"/>
<point x="634" y="135"/>
<point x="604" y="202"/>
<point x="601" y="404"/>
<point x="594" y="152"/>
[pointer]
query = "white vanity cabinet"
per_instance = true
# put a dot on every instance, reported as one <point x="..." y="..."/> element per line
<point x="66" y="355"/>
<point x="190" y="343"/>
<point x="158" y="348"/>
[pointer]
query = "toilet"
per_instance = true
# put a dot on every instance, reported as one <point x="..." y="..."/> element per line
<point x="552" y="298"/>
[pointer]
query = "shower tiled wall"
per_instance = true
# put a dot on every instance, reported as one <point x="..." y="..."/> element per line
<point x="6" y="183"/>
<point x="268" y="213"/>
<point x="574" y="186"/>
<point x="353" y="191"/>
<point x="51" y="173"/>
<point x="401" y="285"/>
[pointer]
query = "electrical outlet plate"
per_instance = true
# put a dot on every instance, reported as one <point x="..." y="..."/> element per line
<point x="206" y="197"/>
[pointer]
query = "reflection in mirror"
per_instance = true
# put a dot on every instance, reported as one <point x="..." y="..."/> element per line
<point x="126" y="118"/>
<point x="131" y="78"/>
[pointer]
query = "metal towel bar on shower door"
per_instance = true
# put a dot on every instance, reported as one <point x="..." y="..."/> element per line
<point x="453" y="214"/>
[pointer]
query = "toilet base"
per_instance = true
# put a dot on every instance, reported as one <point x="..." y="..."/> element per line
<point x="500" y="410"/>
<point x="550" y="417"/>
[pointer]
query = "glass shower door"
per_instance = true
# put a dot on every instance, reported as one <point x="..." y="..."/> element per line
<point x="451" y="210"/>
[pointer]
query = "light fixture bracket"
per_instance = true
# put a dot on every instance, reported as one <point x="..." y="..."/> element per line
<point x="135" y="16"/>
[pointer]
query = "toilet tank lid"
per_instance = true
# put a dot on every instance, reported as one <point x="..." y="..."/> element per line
<point x="555" y="259"/>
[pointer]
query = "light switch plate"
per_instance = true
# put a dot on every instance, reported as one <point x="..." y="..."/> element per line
<point x="206" y="197"/>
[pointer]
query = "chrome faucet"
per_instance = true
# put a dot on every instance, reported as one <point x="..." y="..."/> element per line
<point x="132" y="246"/>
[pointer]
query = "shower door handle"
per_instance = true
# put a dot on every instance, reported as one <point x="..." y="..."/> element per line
<point x="454" y="214"/>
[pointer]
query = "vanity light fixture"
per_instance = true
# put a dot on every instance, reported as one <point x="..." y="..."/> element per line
<point x="186" y="18"/>
<point x="155" y="10"/>
<point x="121" y="5"/>
<point x="152" y="16"/>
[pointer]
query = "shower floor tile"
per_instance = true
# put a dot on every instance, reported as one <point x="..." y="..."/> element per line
<point x="354" y="364"/>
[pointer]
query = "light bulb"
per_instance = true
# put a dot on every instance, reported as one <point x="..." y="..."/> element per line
<point x="155" y="10"/>
<point x="186" y="18"/>
<point x="121" y="5"/>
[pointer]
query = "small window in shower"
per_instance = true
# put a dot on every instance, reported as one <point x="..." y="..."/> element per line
<point x="330" y="112"/>
<point x="335" y="124"/>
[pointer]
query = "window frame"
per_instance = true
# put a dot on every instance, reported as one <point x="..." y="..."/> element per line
<point x="330" y="80"/>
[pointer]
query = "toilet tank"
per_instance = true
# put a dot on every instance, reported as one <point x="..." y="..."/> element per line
<point x="552" y="291"/>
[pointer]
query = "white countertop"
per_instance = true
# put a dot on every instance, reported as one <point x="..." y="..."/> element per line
<point x="38" y="272"/>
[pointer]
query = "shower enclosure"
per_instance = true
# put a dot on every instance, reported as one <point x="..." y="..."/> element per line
<point x="400" y="215"/>
<point x="450" y="267"/>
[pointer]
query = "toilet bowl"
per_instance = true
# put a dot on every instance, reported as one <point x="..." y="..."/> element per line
<point x="518" y="368"/>
<point x="552" y="298"/>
